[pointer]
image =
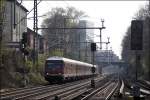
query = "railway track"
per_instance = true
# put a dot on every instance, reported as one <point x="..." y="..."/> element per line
<point x="105" y="92"/>
<point x="89" y="93"/>
<point x="41" y="91"/>
<point x="143" y="84"/>
<point x="79" y="93"/>
<point x="129" y="92"/>
<point x="65" y="93"/>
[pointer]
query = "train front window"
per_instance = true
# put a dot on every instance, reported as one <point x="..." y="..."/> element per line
<point x="53" y="65"/>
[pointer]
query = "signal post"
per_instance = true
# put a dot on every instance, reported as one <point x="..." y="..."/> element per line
<point x="137" y="46"/>
<point x="93" y="49"/>
<point x="23" y="49"/>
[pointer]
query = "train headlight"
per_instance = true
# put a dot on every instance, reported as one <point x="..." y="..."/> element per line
<point x="47" y="74"/>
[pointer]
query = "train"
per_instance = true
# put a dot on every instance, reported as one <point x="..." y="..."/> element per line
<point x="60" y="69"/>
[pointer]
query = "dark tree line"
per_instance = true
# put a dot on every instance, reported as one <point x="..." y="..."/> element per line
<point x="129" y="56"/>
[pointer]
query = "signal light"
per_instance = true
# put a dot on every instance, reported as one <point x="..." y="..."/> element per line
<point x="136" y="35"/>
<point x="24" y="37"/>
<point x="93" y="46"/>
<point x="23" y="43"/>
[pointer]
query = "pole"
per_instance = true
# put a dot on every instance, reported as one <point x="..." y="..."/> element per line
<point x="149" y="7"/>
<point x="24" y="79"/>
<point x="107" y="49"/>
<point x="149" y="37"/>
<point x="79" y="47"/>
<point x="93" y="49"/>
<point x="102" y="20"/>
<point x="2" y="11"/>
<point x="100" y="39"/>
<point x="14" y="14"/>
<point x="93" y="71"/>
<point x="35" y="44"/>
<point x="137" y="64"/>
<point x="64" y="39"/>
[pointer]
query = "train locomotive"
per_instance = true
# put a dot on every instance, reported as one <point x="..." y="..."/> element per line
<point x="60" y="69"/>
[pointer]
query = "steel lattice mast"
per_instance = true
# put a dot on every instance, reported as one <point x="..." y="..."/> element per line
<point x="35" y="27"/>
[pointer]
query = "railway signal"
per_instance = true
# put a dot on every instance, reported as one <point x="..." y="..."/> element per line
<point x="23" y="44"/>
<point x="23" y="49"/>
<point x="137" y="42"/>
<point x="93" y="70"/>
<point x="136" y="35"/>
<point x="93" y="49"/>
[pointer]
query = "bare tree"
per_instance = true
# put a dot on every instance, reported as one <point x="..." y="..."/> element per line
<point x="60" y="17"/>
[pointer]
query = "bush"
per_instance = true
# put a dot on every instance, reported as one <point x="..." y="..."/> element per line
<point x="36" y="78"/>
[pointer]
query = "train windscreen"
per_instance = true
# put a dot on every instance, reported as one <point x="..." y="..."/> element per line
<point x="54" y="67"/>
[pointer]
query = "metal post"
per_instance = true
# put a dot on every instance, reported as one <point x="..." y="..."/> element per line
<point x="107" y="49"/>
<point x="102" y="20"/>
<point x="149" y="36"/>
<point x="79" y="48"/>
<point x="93" y="49"/>
<point x="24" y="79"/>
<point x="35" y="44"/>
<point x="149" y="8"/>
<point x="137" y="64"/>
<point x="2" y="11"/>
<point x="14" y="14"/>
<point x="64" y="37"/>
<point x="93" y="68"/>
<point x="100" y="39"/>
<point x="86" y="52"/>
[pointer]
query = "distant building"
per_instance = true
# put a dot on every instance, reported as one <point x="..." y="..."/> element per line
<point x="85" y="37"/>
<point x="42" y="44"/>
<point x="106" y="56"/>
<point x="15" y="22"/>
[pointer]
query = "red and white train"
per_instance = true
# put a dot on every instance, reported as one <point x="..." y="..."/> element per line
<point x="59" y="69"/>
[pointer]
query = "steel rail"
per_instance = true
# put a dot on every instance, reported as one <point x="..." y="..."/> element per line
<point x="96" y="91"/>
<point x="53" y="89"/>
<point x="63" y="91"/>
<point x="57" y="92"/>
<point x="112" y="92"/>
<point x="32" y="91"/>
<point x="100" y="90"/>
<point x="15" y="91"/>
<point x="78" y="92"/>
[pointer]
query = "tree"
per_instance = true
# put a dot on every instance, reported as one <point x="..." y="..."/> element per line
<point x="61" y="38"/>
<point x="127" y="54"/>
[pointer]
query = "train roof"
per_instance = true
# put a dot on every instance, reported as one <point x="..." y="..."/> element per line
<point x="68" y="60"/>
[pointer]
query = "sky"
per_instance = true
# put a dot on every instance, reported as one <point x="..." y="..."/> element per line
<point x="117" y="16"/>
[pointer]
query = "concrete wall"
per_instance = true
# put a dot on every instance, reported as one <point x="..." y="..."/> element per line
<point x="10" y="34"/>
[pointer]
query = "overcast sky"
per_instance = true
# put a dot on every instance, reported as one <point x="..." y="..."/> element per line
<point x="117" y="16"/>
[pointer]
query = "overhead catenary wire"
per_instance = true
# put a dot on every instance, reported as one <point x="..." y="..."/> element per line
<point x="27" y="14"/>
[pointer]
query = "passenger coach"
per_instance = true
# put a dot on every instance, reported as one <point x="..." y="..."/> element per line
<point x="62" y="69"/>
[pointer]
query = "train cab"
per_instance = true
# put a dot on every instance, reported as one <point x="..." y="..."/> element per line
<point x="54" y="70"/>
